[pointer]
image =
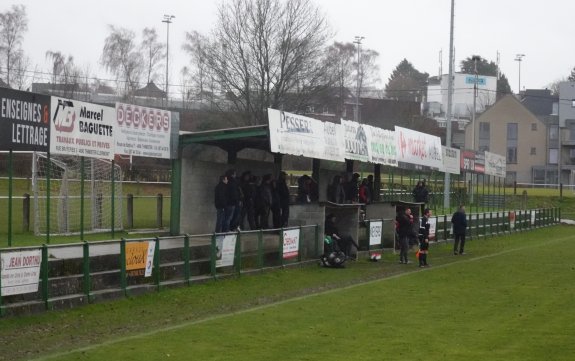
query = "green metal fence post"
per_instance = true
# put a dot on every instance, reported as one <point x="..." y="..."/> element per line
<point x="86" y="270"/>
<point x="10" y="182"/>
<point x="300" y="242"/>
<point x="213" y="256"/>
<point x="187" y="259"/>
<point x="281" y="247"/>
<point x="445" y="226"/>
<point x="157" y="269"/>
<point x="497" y="224"/>
<point x="45" y="277"/>
<point x="48" y="171"/>
<point x="123" y="276"/>
<point x="238" y="254"/>
<point x="317" y="252"/>
<point x="261" y="249"/>
<point x="82" y="178"/>
<point x="113" y="199"/>
<point x="491" y="224"/>
<point x="484" y="225"/>
<point x="1" y="307"/>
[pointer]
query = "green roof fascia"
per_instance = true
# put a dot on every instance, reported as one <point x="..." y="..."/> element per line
<point x="224" y="134"/>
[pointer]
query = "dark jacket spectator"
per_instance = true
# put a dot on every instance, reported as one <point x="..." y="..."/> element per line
<point x="364" y="193"/>
<point x="284" y="198"/>
<point x="420" y="193"/>
<point x="221" y="202"/>
<point x="351" y="189"/>
<point x="335" y="191"/>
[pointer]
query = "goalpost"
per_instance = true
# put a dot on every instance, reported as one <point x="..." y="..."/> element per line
<point x="65" y="194"/>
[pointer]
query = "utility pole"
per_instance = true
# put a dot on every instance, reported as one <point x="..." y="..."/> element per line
<point x="475" y="59"/>
<point x="357" y="41"/>
<point x="519" y="59"/>
<point x="168" y="21"/>
<point x="447" y="179"/>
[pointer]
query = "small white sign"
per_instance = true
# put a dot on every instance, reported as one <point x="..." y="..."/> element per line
<point x="150" y="258"/>
<point x="20" y="272"/>
<point x="432" y="227"/>
<point x="225" y="250"/>
<point x="375" y="230"/>
<point x="291" y="243"/>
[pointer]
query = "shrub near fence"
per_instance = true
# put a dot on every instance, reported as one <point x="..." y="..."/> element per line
<point x="76" y="274"/>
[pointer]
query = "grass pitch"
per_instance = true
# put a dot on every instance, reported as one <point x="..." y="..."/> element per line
<point x="509" y="298"/>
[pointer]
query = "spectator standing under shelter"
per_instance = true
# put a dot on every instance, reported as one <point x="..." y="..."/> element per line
<point x="249" y="202"/>
<point x="335" y="191"/>
<point x="459" y="221"/>
<point x="234" y="200"/>
<point x="420" y="193"/>
<point x="265" y="199"/>
<point x="284" y="198"/>
<point x="405" y="231"/>
<point x="220" y="202"/>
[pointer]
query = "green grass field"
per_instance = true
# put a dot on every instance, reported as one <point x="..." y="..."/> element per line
<point x="509" y="298"/>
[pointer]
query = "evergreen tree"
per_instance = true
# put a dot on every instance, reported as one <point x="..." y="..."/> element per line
<point x="406" y="83"/>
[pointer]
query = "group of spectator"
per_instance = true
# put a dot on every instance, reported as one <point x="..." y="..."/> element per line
<point x="348" y="189"/>
<point x="420" y="192"/>
<point x="251" y="199"/>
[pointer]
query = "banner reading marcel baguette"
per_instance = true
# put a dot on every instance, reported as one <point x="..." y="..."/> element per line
<point x="495" y="164"/>
<point x="24" y="121"/>
<point x="20" y="272"/>
<point x="356" y="140"/>
<point x="81" y="129"/>
<point x="451" y="160"/>
<point x="291" y="243"/>
<point x="295" y="134"/>
<point x="143" y="132"/>
<point x="418" y="148"/>
<point x="382" y="146"/>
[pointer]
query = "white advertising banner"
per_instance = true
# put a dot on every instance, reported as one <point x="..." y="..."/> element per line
<point x="495" y="164"/>
<point x="295" y="134"/>
<point x="291" y="243"/>
<point x="150" y="258"/>
<point x="81" y="129"/>
<point x="356" y="140"/>
<point x="225" y="250"/>
<point x="418" y="148"/>
<point x="432" y="227"/>
<point x="142" y="131"/>
<point x="383" y="146"/>
<point x="333" y="146"/>
<point x="375" y="230"/>
<point x="20" y="272"/>
<point x="451" y="160"/>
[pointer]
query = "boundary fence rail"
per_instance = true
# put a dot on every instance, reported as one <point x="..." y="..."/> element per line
<point x="87" y="272"/>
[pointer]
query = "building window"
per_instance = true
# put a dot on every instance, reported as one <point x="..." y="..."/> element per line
<point x="533" y="151"/>
<point x="553" y="154"/>
<point x="554" y="132"/>
<point x="534" y="126"/>
<point x="512" y="136"/>
<point x="484" y="136"/>
<point x="539" y="176"/>
<point x="510" y="177"/>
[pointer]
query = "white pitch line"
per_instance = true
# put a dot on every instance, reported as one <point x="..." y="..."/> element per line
<point x="299" y="298"/>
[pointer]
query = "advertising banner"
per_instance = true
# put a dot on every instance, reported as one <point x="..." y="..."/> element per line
<point x="142" y="131"/>
<point x="356" y="140"/>
<point x="467" y="161"/>
<point x="24" y="121"/>
<point x="295" y="134"/>
<point x="451" y="160"/>
<point x="375" y="231"/>
<point x="140" y="258"/>
<point x="20" y="272"/>
<point x="480" y="162"/>
<point x="81" y="129"/>
<point x="333" y="146"/>
<point x="495" y="164"/>
<point x="432" y="227"/>
<point x="291" y="243"/>
<point x="418" y="148"/>
<point x="225" y="250"/>
<point x="382" y="146"/>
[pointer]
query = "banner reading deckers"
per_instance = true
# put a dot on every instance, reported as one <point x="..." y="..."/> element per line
<point x="143" y="132"/>
<point x="81" y="129"/>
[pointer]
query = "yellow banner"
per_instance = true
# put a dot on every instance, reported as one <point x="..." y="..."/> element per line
<point x="136" y="255"/>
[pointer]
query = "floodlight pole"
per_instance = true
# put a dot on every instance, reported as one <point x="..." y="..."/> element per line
<point x="357" y="41"/>
<point x="447" y="179"/>
<point x="168" y="21"/>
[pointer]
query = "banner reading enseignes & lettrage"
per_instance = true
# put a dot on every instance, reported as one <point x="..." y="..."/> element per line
<point x="81" y="129"/>
<point x="24" y="121"/>
<point x="142" y="131"/>
<point x="418" y="148"/>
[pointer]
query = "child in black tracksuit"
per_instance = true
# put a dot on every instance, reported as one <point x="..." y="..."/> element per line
<point x="424" y="238"/>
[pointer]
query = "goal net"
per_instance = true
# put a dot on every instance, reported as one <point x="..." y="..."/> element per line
<point x="65" y="194"/>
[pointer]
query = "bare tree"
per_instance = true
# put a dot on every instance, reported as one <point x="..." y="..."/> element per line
<point x="20" y="76"/>
<point x="121" y="58"/>
<point x="153" y="51"/>
<point x="65" y="73"/>
<point x="13" y="25"/>
<point x="268" y="53"/>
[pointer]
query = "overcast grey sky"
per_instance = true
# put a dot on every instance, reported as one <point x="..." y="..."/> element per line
<point x="412" y="29"/>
